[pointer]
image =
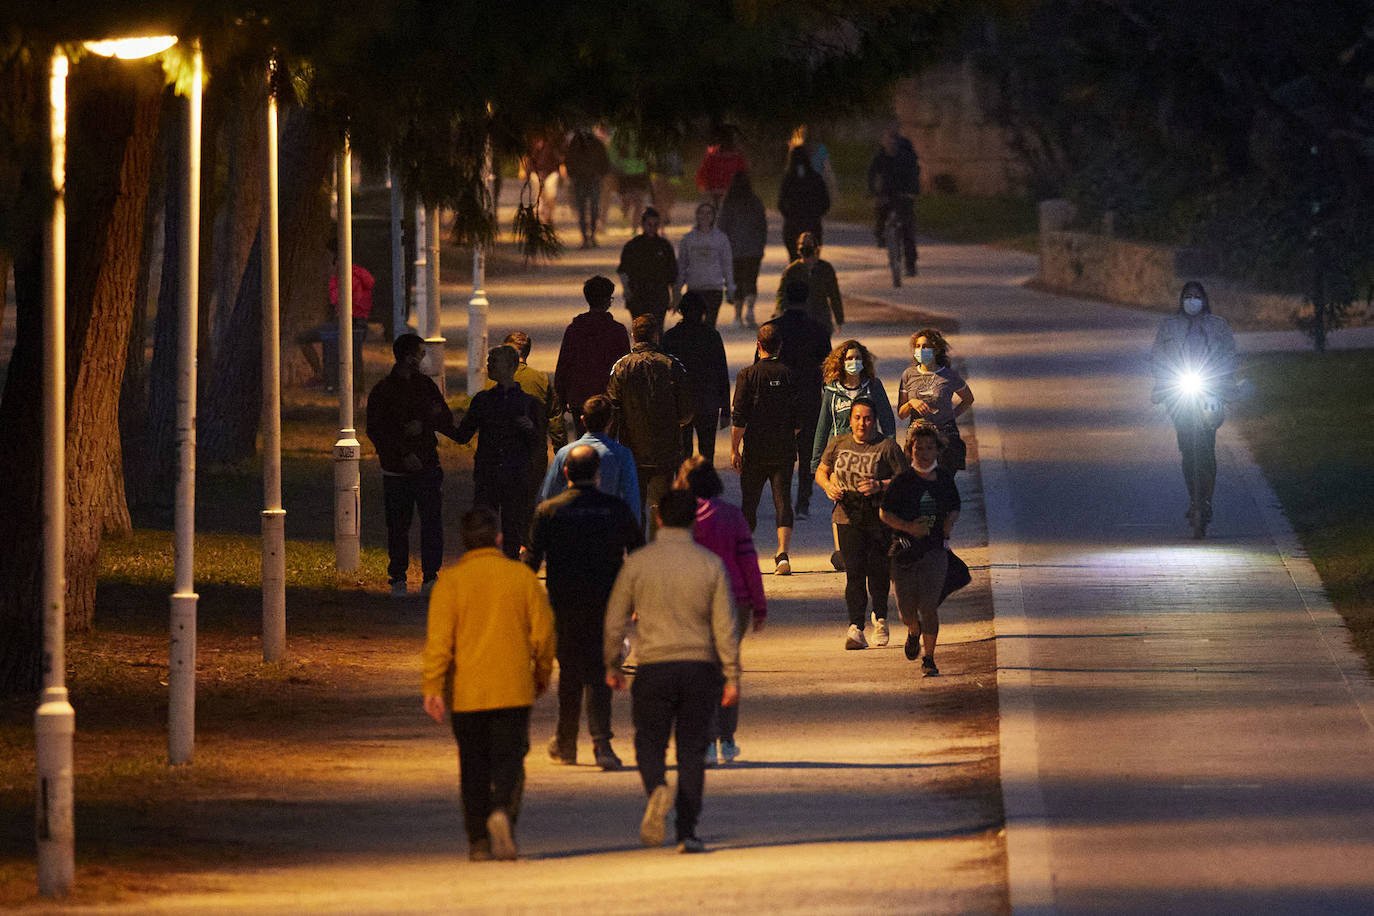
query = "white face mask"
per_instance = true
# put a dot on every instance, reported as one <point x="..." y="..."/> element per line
<point x="925" y="356"/>
<point x="1192" y="305"/>
<point x="927" y="469"/>
<point x="852" y="366"/>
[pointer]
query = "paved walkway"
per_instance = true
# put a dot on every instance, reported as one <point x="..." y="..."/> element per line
<point x="1185" y="728"/>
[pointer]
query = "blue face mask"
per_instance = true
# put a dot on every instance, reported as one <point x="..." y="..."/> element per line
<point x="926" y="357"/>
<point x="852" y="366"/>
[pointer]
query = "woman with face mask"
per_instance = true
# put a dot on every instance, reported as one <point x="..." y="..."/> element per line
<point x="930" y="390"/>
<point x="847" y="374"/>
<point x="1193" y="363"/>
<point x="921" y="506"/>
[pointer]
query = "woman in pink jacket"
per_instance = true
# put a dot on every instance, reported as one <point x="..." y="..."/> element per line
<point x="720" y="528"/>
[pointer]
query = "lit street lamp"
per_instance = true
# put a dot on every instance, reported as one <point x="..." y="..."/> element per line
<point x="55" y="719"/>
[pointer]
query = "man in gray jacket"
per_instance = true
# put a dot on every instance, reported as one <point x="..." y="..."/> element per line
<point x="688" y="661"/>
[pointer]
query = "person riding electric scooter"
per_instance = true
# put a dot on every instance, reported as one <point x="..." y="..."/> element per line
<point x="1193" y="363"/>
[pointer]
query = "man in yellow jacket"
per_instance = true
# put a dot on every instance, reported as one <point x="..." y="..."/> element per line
<point x="490" y="640"/>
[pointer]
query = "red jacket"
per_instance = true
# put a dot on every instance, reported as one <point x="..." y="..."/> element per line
<point x="719" y="166"/>
<point x="591" y="345"/>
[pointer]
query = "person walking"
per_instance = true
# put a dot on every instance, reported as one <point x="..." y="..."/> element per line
<point x="583" y="534"/>
<point x="506" y="423"/>
<point x="722" y="161"/>
<point x="702" y="353"/>
<point x="617" y="475"/>
<point x="805" y="345"/>
<point x="538" y="385"/>
<point x="894" y="180"/>
<point x="591" y="345"/>
<point x="822" y="285"/>
<point x="1193" y="364"/>
<point x="848" y="373"/>
<point x="648" y="270"/>
<point x="688" y="662"/>
<point x="745" y="224"/>
<point x="856" y="470"/>
<point x="927" y="391"/>
<point x="541" y="167"/>
<point x="631" y="171"/>
<point x="648" y="389"/>
<point x="404" y="412"/>
<point x="722" y="529"/>
<point x="764" y="421"/>
<point x="490" y="644"/>
<point x="586" y="163"/>
<point x="802" y="200"/>
<point x="705" y="263"/>
<point x="922" y="505"/>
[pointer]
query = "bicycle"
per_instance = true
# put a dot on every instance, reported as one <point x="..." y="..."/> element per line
<point x="894" y="230"/>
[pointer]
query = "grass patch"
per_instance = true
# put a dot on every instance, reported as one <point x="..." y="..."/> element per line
<point x="1311" y="427"/>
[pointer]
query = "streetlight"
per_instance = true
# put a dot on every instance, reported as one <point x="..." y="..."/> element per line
<point x="347" y="485"/>
<point x="55" y="719"/>
<point x="273" y="515"/>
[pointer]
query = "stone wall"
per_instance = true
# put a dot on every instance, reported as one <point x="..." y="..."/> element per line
<point x="1099" y="266"/>
<point x="962" y="150"/>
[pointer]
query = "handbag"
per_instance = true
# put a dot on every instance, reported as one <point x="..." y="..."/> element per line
<point x="956" y="575"/>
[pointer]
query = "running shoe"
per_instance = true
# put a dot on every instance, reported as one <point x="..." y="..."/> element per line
<point x="654" y="826"/>
<point x="781" y="565"/>
<point x="502" y="841"/>
<point x="880" y="634"/>
<point x="561" y="754"/>
<point x="729" y="750"/>
<point x="913" y="645"/>
<point x="854" y="639"/>
<point x="928" y="668"/>
<point x="711" y="757"/>
<point x="690" y="844"/>
<point x="606" y="757"/>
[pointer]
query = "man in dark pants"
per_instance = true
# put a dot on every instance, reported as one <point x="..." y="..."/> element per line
<point x="648" y="270"/>
<point x="508" y="422"/>
<point x="805" y="345"/>
<point x="688" y="661"/>
<point x="404" y="411"/>
<point x="488" y="654"/>
<point x="764" y="422"/>
<point x="699" y="348"/>
<point x="584" y="535"/>
<point x="648" y="389"/>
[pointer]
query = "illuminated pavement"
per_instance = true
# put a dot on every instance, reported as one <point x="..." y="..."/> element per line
<point x="1180" y="732"/>
<point x="1185" y="729"/>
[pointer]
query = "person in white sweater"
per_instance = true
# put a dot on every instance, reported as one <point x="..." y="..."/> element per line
<point x="705" y="263"/>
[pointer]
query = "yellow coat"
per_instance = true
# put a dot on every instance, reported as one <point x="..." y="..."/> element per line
<point x="489" y="619"/>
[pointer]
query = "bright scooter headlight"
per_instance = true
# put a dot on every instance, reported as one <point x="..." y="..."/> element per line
<point x="1190" y="383"/>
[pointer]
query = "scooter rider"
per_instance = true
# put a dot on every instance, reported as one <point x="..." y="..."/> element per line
<point x="1193" y="362"/>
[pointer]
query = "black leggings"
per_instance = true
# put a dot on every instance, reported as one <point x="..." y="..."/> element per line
<point x="865" y="570"/>
<point x="1197" y="443"/>
<point x="751" y="480"/>
<point x="703" y="428"/>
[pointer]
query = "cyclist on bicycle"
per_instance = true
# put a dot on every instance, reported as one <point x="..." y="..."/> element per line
<point x="894" y="179"/>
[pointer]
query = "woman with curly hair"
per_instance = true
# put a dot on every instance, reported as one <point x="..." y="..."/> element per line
<point x="848" y="373"/>
<point x="927" y="391"/>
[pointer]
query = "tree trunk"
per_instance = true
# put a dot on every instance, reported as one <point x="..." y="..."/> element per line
<point x="113" y="137"/>
<point x="233" y="406"/>
<point x="113" y="121"/>
<point x="306" y="166"/>
<point x="236" y="226"/>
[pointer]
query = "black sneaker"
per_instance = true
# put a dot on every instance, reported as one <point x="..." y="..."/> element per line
<point x="605" y="757"/>
<point x="560" y="754"/>
<point x="690" y="844"/>
<point x="913" y="645"/>
<point x="928" y="668"/>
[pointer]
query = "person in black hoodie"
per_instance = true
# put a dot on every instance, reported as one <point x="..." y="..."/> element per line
<point x="404" y="411"/>
<point x="802" y="200"/>
<point x="805" y="345"/>
<point x="699" y="348"/>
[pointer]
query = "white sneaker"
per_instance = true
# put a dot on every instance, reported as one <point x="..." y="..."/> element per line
<point x="398" y="588"/>
<point x="880" y="635"/>
<point x="854" y="639"/>
<point x="654" y="827"/>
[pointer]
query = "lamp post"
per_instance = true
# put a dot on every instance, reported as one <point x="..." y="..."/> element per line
<point x="432" y="332"/>
<point x="273" y="515"/>
<point x="347" y="535"/>
<point x="478" y="307"/>
<point x="398" y="268"/>
<point x="55" y="719"/>
<point x="181" y="708"/>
